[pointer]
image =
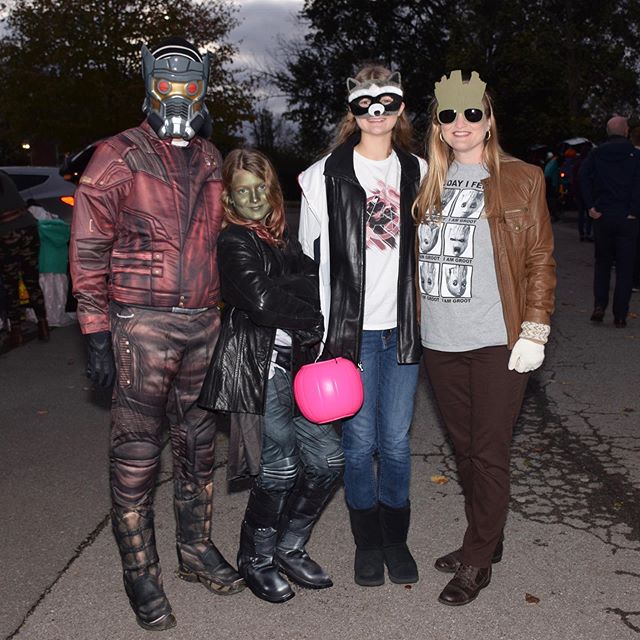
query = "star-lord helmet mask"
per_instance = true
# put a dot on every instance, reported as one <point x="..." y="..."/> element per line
<point x="375" y="98"/>
<point x="175" y="76"/>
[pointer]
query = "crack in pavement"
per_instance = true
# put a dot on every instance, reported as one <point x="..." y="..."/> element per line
<point x="87" y="542"/>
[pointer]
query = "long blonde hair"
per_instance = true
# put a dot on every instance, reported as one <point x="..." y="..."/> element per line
<point x="402" y="135"/>
<point x="428" y="202"/>
<point x="271" y="228"/>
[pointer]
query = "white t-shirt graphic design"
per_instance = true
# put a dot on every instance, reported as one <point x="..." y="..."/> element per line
<point x="383" y="217"/>
<point x="380" y="180"/>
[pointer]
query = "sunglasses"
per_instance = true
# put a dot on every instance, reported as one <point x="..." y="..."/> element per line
<point x="447" y="116"/>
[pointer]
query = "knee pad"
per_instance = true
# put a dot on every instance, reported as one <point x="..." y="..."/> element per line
<point x="134" y="467"/>
<point x="324" y="477"/>
<point x="279" y="475"/>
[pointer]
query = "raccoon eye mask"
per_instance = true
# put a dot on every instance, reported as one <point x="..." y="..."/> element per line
<point x="374" y="100"/>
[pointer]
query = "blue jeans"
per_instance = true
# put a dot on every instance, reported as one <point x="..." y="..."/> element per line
<point x="288" y="441"/>
<point x="380" y="427"/>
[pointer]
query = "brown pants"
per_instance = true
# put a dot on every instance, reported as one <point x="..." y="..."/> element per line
<point x="161" y="359"/>
<point x="479" y="399"/>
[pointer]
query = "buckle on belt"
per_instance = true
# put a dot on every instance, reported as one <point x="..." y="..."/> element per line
<point x="188" y="312"/>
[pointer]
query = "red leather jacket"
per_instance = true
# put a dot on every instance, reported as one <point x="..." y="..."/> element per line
<point x="145" y="226"/>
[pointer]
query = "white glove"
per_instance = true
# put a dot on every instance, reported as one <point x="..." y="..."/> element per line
<point x="526" y="356"/>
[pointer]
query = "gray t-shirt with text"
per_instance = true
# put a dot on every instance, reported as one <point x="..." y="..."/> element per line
<point x="461" y="307"/>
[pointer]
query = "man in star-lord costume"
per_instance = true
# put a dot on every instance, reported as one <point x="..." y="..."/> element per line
<point x="143" y="264"/>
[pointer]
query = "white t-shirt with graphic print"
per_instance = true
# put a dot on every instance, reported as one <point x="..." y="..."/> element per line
<point x="461" y="308"/>
<point x="381" y="181"/>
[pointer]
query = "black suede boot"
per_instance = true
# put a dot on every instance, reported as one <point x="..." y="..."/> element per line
<point x="258" y="537"/>
<point x="199" y="559"/>
<point x="367" y="534"/>
<point x="395" y="527"/>
<point x="305" y="509"/>
<point x="133" y="531"/>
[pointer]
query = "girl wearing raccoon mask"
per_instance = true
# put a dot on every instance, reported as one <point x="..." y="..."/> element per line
<point x="356" y="222"/>
<point x="485" y="323"/>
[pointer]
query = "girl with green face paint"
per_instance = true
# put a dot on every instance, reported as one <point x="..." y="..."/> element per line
<point x="271" y="322"/>
<point x="248" y="195"/>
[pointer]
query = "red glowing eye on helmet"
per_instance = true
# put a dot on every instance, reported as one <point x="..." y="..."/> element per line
<point x="163" y="87"/>
<point x="192" y="88"/>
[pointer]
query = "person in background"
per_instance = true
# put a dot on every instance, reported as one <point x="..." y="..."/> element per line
<point x="19" y="252"/>
<point x="271" y="321"/>
<point x="585" y="223"/>
<point x="635" y="141"/>
<point x="610" y="184"/>
<point x="355" y="221"/>
<point x="552" y="180"/>
<point x="144" y="272"/>
<point x="480" y="348"/>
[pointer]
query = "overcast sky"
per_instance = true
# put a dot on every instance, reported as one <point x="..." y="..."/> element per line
<point x="262" y="23"/>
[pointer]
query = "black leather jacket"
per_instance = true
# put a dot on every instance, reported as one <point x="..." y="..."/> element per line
<point x="346" y="204"/>
<point x="264" y="288"/>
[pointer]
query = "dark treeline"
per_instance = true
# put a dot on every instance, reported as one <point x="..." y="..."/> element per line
<point x="71" y="68"/>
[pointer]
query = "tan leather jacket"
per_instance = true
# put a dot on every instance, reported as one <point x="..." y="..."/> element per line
<point x="522" y="240"/>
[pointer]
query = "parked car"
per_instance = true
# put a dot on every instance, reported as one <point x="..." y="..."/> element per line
<point x="74" y="165"/>
<point x="46" y="186"/>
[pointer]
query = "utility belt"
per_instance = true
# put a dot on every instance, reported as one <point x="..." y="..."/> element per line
<point x="180" y="310"/>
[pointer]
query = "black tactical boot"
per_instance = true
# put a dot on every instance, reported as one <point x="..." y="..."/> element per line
<point x="258" y="537"/>
<point x="133" y="530"/>
<point x="367" y="534"/>
<point x="304" y="510"/>
<point x="199" y="559"/>
<point x="401" y="566"/>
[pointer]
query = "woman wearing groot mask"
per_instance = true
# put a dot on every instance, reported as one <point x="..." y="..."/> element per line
<point x="485" y="324"/>
<point x="270" y="324"/>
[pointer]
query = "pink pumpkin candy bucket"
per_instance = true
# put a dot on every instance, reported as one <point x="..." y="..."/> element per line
<point x="328" y="390"/>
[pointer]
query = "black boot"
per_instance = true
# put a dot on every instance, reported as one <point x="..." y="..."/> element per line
<point x="258" y="537"/>
<point x="133" y="530"/>
<point x="305" y="509"/>
<point x="367" y="534"/>
<point x="198" y="558"/>
<point x="395" y="527"/>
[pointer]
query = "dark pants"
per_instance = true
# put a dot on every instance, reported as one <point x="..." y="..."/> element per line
<point x="615" y="241"/>
<point x="19" y="252"/>
<point x="161" y="360"/>
<point x="289" y="440"/>
<point x="479" y="399"/>
<point x="585" y="222"/>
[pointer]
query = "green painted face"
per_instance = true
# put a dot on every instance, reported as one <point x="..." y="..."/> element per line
<point x="248" y="194"/>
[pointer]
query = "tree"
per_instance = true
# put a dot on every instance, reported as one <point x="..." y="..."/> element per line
<point x="73" y="66"/>
<point x="406" y="35"/>
<point x="557" y="68"/>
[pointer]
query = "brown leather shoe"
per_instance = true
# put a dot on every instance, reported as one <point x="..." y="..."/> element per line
<point x="598" y="314"/>
<point x="450" y="562"/>
<point x="465" y="586"/>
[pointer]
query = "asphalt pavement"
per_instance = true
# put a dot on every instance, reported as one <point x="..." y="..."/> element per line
<point x="571" y="567"/>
